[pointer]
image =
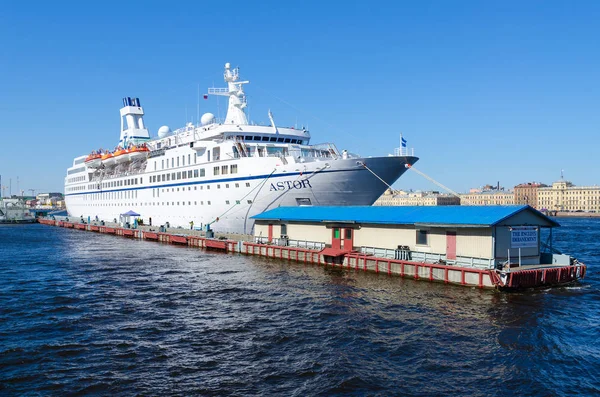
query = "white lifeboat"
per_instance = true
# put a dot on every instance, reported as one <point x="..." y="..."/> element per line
<point x="108" y="159"/>
<point x="121" y="156"/>
<point x="138" y="152"/>
<point x="94" y="160"/>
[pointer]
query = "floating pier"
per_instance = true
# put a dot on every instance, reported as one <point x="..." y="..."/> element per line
<point x="506" y="279"/>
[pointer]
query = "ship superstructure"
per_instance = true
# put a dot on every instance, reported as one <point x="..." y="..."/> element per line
<point x="219" y="173"/>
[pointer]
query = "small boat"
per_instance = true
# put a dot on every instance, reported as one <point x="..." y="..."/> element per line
<point x="108" y="159"/>
<point x="94" y="160"/>
<point x="138" y="152"/>
<point x="121" y="156"/>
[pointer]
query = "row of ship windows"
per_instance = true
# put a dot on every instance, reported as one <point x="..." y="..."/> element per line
<point x="165" y="203"/>
<point x="267" y="139"/>
<point x="75" y="188"/>
<point x="76" y="179"/>
<point x="176" y="159"/>
<point x="155" y="192"/>
<point x="197" y="173"/>
<point x="123" y="182"/>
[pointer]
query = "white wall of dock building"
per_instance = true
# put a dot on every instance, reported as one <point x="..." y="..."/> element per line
<point x="306" y="232"/>
<point x="296" y="231"/>
<point x="389" y="236"/>
<point x="474" y="242"/>
<point x="261" y="230"/>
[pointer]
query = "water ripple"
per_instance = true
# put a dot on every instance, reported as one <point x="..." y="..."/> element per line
<point x="89" y="314"/>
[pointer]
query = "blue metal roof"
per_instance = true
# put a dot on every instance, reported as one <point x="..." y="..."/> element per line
<point x="403" y="215"/>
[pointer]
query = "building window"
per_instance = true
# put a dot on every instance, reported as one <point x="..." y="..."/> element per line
<point x="224" y="169"/>
<point x="283" y="230"/>
<point x="234" y="168"/>
<point x="348" y="234"/>
<point x="422" y="238"/>
<point x="216" y="170"/>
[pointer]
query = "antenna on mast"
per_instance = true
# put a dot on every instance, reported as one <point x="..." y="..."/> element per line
<point x="198" y="107"/>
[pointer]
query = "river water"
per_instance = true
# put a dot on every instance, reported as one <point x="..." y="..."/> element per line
<point x="89" y="314"/>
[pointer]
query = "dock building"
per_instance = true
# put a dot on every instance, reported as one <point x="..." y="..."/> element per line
<point x="485" y="237"/>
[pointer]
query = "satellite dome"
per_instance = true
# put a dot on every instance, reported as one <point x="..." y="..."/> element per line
<point x="163" y="131"/>
<point x="207" y="118"/>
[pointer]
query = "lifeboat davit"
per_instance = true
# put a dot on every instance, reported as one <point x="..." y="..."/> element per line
<point x="121" y="156"/>
<point x="138" y="152"/>
<point x="93" y="160"/>
<point x="108" y="159"/>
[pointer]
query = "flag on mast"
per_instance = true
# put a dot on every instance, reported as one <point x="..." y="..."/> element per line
<point x="402" y="141"/>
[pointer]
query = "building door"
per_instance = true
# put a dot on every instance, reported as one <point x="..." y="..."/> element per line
<point x="270" y="233"/>
<point x="450" y="245"/>
<point x="347" y="239"/>
<point x="336" y="238"/>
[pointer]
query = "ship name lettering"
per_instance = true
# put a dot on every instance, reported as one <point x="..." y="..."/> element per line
<point x="289" y="185"/>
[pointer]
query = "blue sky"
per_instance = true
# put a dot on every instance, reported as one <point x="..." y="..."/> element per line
<point x="484" y="91"/>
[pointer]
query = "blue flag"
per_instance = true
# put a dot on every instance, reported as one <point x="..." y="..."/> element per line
<point x="403" y="142"/>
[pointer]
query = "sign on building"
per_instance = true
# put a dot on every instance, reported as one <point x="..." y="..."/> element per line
<point x="523" y="237"/>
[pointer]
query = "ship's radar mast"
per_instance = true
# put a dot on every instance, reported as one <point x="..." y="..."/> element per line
<point x="237" y="97"/>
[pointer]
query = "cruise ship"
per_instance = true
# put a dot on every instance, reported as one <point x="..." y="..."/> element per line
<point x="217" y="174"/>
